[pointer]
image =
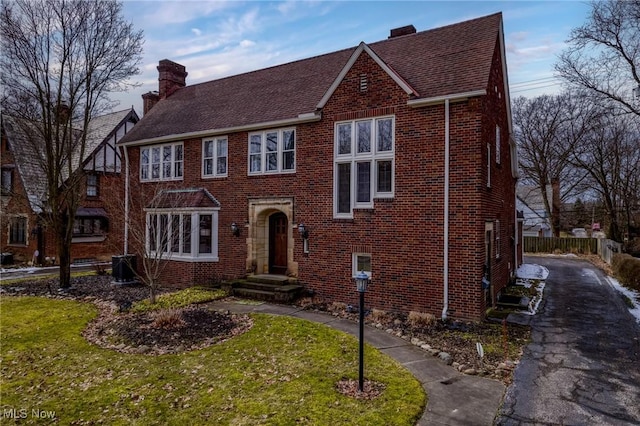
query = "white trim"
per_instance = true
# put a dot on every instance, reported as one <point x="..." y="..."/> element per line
<point x="455" y="97"/>
<point x="352" y="60"/>
<point x="353" y="158"/>
<point x="214" y="166"/>
<point x="302" y="118"/>
<point x="445" y="265"/>
<point x="279" y="151"/>
<point x="354" y="264"/>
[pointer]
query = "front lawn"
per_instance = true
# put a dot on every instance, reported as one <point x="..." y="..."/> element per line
<point x="282" y="371"/>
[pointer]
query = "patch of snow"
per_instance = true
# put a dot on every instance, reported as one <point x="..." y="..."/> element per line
<point x="631" y="294"/>
<point x="532" y="309"/>
<point x="532" y="271"/>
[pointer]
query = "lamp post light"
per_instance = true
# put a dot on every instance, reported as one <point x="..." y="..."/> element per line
<point x="362" y="282"/>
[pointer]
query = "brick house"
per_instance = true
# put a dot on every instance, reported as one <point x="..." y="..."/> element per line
<point x="24" y="186"/>
<point x="393" y="157"/>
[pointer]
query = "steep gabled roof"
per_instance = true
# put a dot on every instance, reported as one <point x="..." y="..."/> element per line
<point x="439" y="62"/>
<point x="29" y="158"/>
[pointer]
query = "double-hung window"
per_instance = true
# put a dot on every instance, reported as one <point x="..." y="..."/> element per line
<point x="183" y="235"/>
<point x="364" y="163"/>
<point x="92" y="185"/>
<point x="215" y="154"/>
<point x="272" y="151"/>
<point x="161" y="162"/>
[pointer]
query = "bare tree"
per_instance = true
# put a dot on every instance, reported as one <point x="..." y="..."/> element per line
<point x="60" y="59"/>
<point x="154" y="229"/>
<point x="610" y="155"/>
<point x="604" y="56"/>
<point x="547" y="130"/>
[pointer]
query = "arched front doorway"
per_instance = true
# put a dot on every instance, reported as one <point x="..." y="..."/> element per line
<point x="278" y="235"/>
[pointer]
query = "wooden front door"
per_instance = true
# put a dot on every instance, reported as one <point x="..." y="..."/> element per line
<point x="278" y="235"/>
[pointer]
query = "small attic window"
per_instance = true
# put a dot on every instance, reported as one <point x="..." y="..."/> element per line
<point x="363" y="83"/>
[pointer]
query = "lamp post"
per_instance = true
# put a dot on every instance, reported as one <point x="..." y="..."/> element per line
<point x="362" y="281"/>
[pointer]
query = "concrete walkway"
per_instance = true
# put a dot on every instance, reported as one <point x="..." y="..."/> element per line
<point x="454" y="398"/>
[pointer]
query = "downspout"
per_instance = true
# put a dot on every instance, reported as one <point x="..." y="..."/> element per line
<point x="445" y="273"/>
<point x="126" y="201"/>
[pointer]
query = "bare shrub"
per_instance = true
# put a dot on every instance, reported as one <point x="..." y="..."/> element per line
<point x="168" y="319"/>
<point x="337" y="307"/>
<point x="381" y="316"/>
<point x="420" y="319"/>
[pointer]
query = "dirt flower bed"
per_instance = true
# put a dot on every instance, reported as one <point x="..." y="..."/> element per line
<point x="153" y="333"/>
<point x="454" y="342"/>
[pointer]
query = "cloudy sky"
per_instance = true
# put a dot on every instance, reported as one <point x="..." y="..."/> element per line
<point x="214" y="39"/>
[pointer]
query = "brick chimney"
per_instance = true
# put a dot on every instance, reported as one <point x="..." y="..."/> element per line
<point x="397" y="32"/>
<point x="149" y="99"/>
<point x="172" y="76"/>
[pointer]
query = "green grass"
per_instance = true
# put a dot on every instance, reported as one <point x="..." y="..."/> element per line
<point x="180" y="299"/>
<point x="283" y="372"/>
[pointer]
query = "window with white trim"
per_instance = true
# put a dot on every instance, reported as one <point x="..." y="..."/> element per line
<point x="361" y="262"/>
<point x="364" y="163"/>
<point x="272" y="151"/>
<point x="183" y="235"/>
<point x="497" y="144"/>
<point x="215" y="154"/>
<point x="161" y="162"/>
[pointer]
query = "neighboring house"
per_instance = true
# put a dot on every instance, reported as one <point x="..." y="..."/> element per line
<point x="24" y="187"/>
<point x="394" y="158"/>
<point x="537" y="222"/>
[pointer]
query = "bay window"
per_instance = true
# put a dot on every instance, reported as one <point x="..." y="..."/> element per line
<point x="364" y="163"/>
<point x="183" y="235"/>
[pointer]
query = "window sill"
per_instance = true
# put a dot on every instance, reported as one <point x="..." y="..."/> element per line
<point x="202" y="259"/>
<point x="93" y="239"/>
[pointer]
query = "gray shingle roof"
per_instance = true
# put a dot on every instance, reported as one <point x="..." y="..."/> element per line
<point x="29" y="156"/>
<point x="438" y="62"/>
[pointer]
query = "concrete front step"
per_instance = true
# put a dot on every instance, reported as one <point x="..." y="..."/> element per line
<point x="274" y="288"/>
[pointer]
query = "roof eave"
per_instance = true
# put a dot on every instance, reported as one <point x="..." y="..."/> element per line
<point x="300" y="119"/>
<point x="454" y="97"/>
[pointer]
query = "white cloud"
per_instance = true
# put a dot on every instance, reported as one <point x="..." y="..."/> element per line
<point x="247" y="43"/>
<point x="196" y="31"/>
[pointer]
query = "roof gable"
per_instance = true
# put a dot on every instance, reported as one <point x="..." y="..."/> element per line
<point x="434" y="63"/>
<point x="352" y="60"/>
<point x="29" y="158"/>
<point x="192" y="198"/>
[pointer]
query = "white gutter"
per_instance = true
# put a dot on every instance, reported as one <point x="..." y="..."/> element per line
<point x="126" y="200"/>
<point x="454" y="97"/>
<point x="300" y="119"/>
<point x="445" y="273"/>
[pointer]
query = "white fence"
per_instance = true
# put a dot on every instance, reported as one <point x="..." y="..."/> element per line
<point x="607" y="248"/>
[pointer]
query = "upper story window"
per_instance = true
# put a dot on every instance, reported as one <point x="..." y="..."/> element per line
<point x="7" y="181"/>
<point x="215" y="154"/>
<point x="364" y="163"/>
<point x="488" y="165"/>
<point x="92" y="185"/>
<point x="161" y="162"/>
<point x="272" y="151"/>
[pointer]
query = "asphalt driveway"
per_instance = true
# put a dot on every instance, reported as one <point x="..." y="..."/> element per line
<point x="583" y="364"/>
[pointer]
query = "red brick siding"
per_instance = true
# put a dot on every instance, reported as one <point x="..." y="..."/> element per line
<point x="403" y="234"/>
